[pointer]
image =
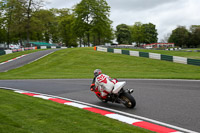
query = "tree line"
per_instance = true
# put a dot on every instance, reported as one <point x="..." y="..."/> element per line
<point x="183" y="37"/>
<point x="138" y="33"/>
<point x="147" y="33"/>
<point x="24" y="20"/>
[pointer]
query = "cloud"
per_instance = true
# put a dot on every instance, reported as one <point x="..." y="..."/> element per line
<point x="180" y="13"/>
<point x="136" y="5"/>
<point x="165" y="15"/>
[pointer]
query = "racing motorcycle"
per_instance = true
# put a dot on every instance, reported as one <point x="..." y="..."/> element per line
<point x="120" y="95"/>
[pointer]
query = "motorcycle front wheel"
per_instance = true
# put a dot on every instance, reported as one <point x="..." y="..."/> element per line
<point x="128" y="100"/>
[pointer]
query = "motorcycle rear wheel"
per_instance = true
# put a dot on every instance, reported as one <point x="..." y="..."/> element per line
<point x="128" y="99"/>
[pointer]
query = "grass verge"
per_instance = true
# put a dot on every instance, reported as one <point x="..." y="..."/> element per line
<point x="81" y="62"/>
<point x="25" y="114"/>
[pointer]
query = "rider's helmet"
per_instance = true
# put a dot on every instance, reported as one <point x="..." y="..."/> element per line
<point x="97" y="72"/>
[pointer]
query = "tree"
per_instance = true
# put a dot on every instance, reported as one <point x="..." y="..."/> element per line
<point x="17" y="23"/>
<point x="150" y="33"/>
<point x="180" y="37"/>
<point x="12" y="16"/>
<point x="43" y="23"/>
<point x="92" y="18"/>
<point x="2" y="32"/>
<point x="193" y="28"/>
<point x="137" y="33"/>
<point x="144" y="33"/>
<point x="65" y="24"/>
<point x="195" y="36"/>
<point x="30" y="6"/>
<point x="7" y="12"/>
<point x="123" y="34"/>
<point x="17" y="17"/>
<point x="101" y="26"/>
<point x="2" y="26"/>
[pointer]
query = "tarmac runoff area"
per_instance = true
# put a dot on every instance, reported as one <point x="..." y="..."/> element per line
<point x="24" y="59"/>
<point x="13" y="59"/>
<point x="138" y="121"/>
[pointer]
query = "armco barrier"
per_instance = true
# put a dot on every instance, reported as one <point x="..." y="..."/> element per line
<point x="193" y="62"/>
<point x="2" y="52"/>
<point x="154" y="56"/>
<point x="109" y="50"/>
<point x="182" y="60"/>
<point x="175" y="59"/>
<point x="144" y="54"/>
<point x="8" y="51"/>
<point x="134" y="53"/>
<point x="43" y="47"/>
<point x="166" y="57"/>
<point x="118" y="51"/>
<point x="53" y="47"/>
<point x="125" y="52"/>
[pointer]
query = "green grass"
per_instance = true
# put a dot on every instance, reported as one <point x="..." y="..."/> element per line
<point x="192" y="49"/>
<point x="81" y="62"/>
<point x="7" y="57"/>
<point x="192" y="55"/>
<point x="24" y="114"/>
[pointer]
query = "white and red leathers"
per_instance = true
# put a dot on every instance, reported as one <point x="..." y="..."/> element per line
<point x="104" y="84"/>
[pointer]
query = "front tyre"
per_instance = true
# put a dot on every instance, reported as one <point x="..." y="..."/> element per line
<point x="128" y="100"/>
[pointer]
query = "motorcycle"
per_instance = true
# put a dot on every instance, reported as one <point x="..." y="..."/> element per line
<point x="120" y="95"/>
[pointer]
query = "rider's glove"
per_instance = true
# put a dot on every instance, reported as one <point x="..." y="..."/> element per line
<point x="92" y="87"/>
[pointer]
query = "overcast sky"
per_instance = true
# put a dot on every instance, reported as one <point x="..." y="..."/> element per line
<point x="165" y="14"/>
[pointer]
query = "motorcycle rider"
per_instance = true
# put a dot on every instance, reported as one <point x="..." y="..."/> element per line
<point x="102" y="84"/>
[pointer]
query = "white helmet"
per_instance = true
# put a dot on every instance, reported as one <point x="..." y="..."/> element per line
<point x="97" y="72"/>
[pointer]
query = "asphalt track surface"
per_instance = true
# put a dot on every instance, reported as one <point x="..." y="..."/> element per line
<point x="24" y="60"/>
<point x="175" y="102"/>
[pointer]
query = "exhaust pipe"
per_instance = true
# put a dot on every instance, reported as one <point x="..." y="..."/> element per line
<point x="130" y="91"/>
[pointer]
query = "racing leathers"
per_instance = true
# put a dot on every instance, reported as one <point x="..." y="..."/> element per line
<point x="103" y="85"/>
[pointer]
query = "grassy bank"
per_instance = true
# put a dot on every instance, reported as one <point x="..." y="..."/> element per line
<point x="24" y="114"/>
<point x="81" y="62"/>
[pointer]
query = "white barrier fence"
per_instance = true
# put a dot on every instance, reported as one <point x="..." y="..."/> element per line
<point x="176" y="59"/>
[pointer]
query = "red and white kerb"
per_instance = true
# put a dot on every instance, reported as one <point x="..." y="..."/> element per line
<point x="119" y="117"/>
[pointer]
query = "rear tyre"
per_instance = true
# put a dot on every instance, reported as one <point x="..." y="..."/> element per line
<point x="128" y="100"/>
